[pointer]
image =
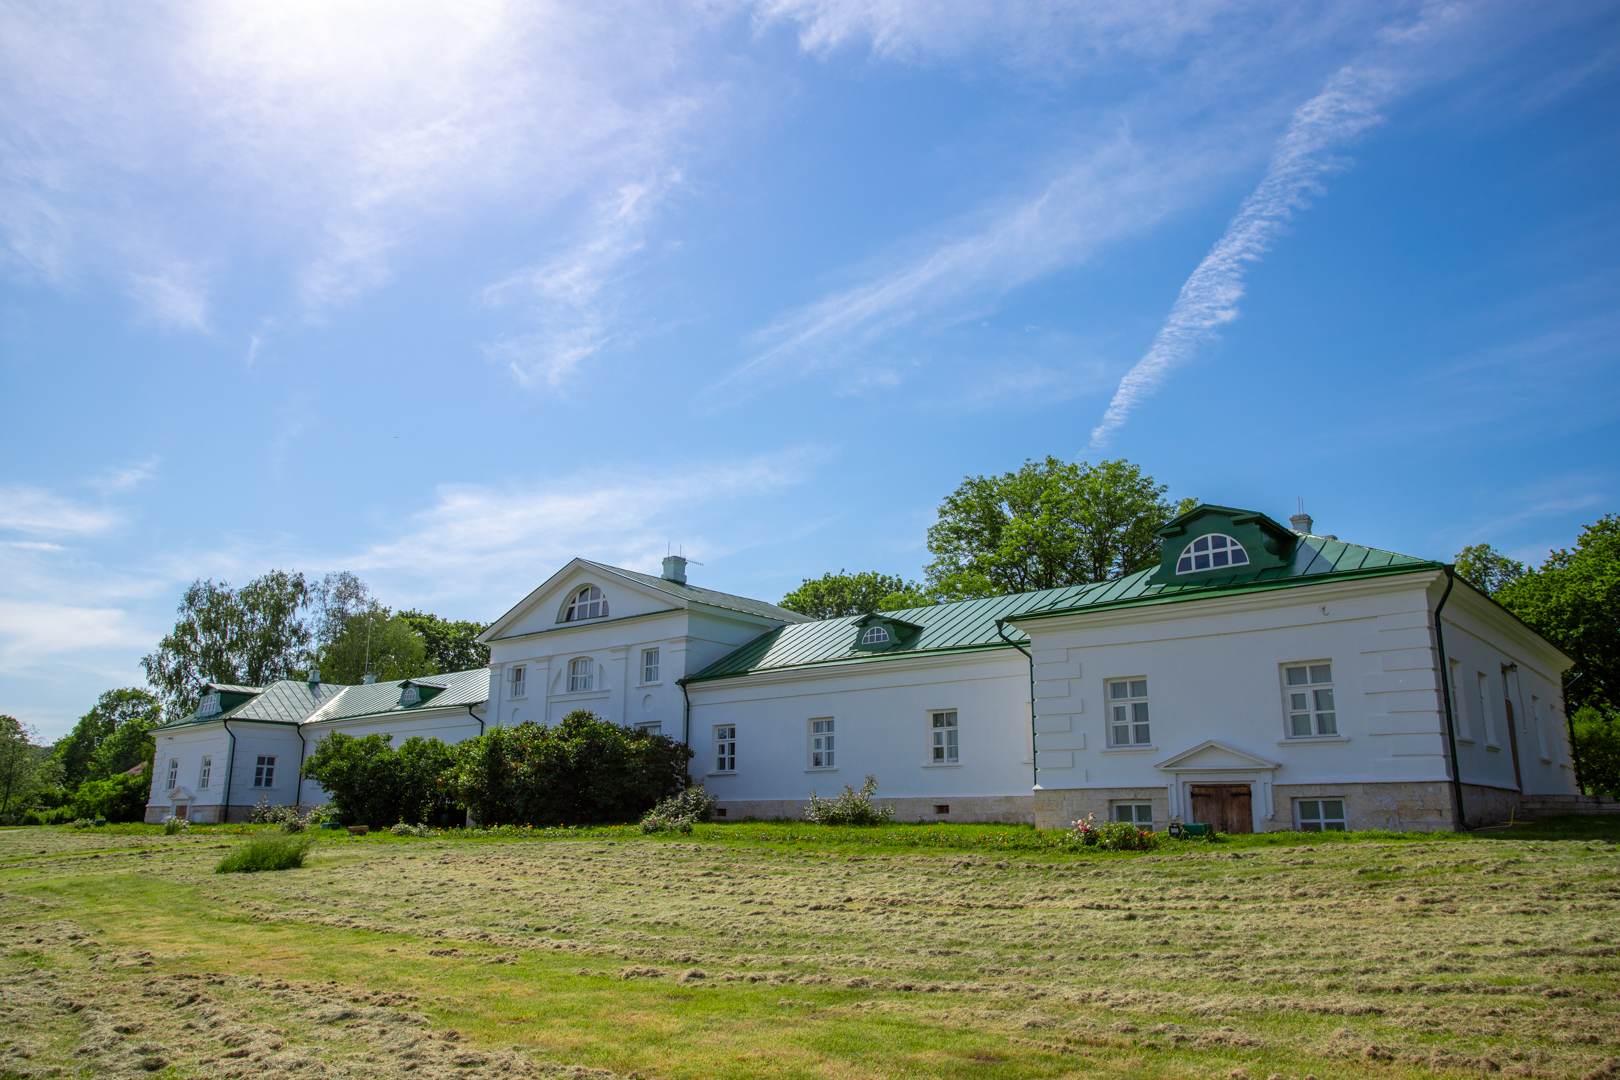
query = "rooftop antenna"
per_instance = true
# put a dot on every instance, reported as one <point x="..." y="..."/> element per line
<point x="370" y="609"/>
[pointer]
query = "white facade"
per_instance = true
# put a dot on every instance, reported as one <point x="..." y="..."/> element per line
<point x="1262" y="700"/>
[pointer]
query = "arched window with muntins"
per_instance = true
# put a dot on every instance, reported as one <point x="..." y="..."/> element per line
<point x="1210" y="553"/>
<point x="588" y="603"/>
<point x="581" y="675"/>
<point x="875" y="635"/>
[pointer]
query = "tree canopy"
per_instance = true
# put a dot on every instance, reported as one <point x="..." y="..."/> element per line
<point x="25" y="770"/>
<point x="450" y="646"/>
<point x="111" y="737"/>
<point x="837" y="596"/>
<point x="1487" y="569"/>
<point x="381" y="639"/>
<point x="252" y="635"/>
<point x="1049" y="524"/>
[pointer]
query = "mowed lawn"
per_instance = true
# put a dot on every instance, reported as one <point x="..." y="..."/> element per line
<point x="787" y="951"/>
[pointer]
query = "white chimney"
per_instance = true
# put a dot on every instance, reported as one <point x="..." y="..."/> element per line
<point x="675" y="569"/>
<point x="314" y="675"/>
<point x="1301" y="523"/>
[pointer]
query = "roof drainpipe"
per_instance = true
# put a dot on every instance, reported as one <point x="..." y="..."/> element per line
<point x="230" y="763"/>
<point x="1445" y="693"/>
<point x="686" y="714"/>
<point x="476" y="717"/>
<point x="1034" y="767"/>
<point x="298" y="789"/>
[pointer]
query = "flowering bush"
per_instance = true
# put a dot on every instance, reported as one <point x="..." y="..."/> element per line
<point x="1112" y="835"/>
<point x="402" y="829"/>
<point x="656" y="823"/>
<point x="680" y="812"/>
<point x="851" y="808"/>
<point x="292" y="819"/>
<point x="81" y="823"/>
<point x="173" y="825"/>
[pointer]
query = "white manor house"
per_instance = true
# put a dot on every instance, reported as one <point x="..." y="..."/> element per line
<point x="1260" y="677"/>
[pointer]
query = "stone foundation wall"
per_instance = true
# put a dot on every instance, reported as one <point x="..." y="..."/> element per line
<point x="1012" y="809"/>
<point x="1537" y="807"/>
<point x="1058" y="808"/>
<point x="1399" y="807"/>
<point x="200" y="815"/>
<point x="1490" y="805"/>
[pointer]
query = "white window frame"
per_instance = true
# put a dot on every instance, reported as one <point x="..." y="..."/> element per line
<point x="205" y="772"/>
<point x="1311" y="691"/>
<point x="822" y="751"/>
<point x="1233" y="555"/>
<point x="1459" y="707"/>
<point x="1323" y="821"/>
<point x="581" y="675"/>
<point x="650" y="659"/>
<point x="410" y="696"/>
<point x="1136" y="719"/>
<point x="1489" y="717"/>
<point x="209" y="705"/>
<point x="174" y="774"/>
<point x="520" y="680"/>
<point x="586" y="602"/>
<point x="654" y="727"/>
<point x="264" y="771"/>
<point x="875" y="635"/>
<point x="725" y="749"/>
<point x="944" y="733"/>
<point x="1134" y="808"/>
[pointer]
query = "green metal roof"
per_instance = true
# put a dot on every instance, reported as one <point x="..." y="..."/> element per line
<point x="971" y="624"/>
<point x="287" y="701"/>
<point x="703" y="596"/>
<point x="461" y="688"/>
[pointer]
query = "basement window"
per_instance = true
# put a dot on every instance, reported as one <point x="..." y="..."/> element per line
<point x="1320" y="815"/>
<point x="1139" y="814"/>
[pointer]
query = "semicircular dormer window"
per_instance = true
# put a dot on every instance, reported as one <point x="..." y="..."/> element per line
<point x="588" y="603"/>
<point x="1211" y="553"/>
<point x="875" y="635"/>
<point x="209" y="705"/>
<point x="411" y="696"/>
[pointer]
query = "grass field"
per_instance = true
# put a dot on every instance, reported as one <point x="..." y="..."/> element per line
<point x="787" y="950"/>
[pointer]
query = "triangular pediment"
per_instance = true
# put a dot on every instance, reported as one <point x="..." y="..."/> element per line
<point x="180" y="794"/>
<point x="1212" y="755"/>
<point x="542" y="609"/>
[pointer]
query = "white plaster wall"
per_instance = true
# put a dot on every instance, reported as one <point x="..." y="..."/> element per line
<point x="1214" y="672"/>
<point x="882" y="728"/>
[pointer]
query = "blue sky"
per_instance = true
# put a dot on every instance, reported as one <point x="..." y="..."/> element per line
<point x="447" y="294"/>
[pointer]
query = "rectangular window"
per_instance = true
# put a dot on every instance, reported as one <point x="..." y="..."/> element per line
<point x="649" y="665"/>
<point x="519" y="675"/>
<point x="1140" y="814"/>
<point x="581" y="675"/>
<point x="264" y="772"/>
<point x="1459" y="710"/>
<point x="204" y="773"/>
<point x="651" y="729"/>
<point x="1308" y="696"/>
<point x="725" y="748"/>
<point x="1320" y="815"/>
<point x="942" y="736"/>
<point x="1128" y="713"/>
<point x="821" y="744"/>
<point x="1485" y="710"/>
<point x="174" y="773"/>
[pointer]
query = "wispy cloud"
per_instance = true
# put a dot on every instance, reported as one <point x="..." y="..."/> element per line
<point x="1346" y="107"/>
<point x="335" y="138"/>
<point x="45" y="513"/>
<point x="569" y="296"/>
<point x="491" y="533"/>
<point x="125" y="477"/>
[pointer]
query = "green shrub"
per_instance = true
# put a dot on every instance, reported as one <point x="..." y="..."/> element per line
<point x="581" y="771"/>
<point x="267" y="851"/>
<point x="851" y="808"/>
<point x="117" y="798"/>
<point x="680" y="811"/>
<point x="1597" y="745"/>
<point x="371" y="783"/>
<point x="173" y="826"/>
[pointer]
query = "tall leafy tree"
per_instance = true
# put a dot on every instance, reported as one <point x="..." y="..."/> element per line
<point x="450" y="646"/>
<point x="24" y="770"/>
<point x="252" y="635"/>
<point x="1487" y="569"/>
<point x="378" y="640"/>
<point x="836" y="596"/>
<point x="111" y="737"/>
<point x="1049" y="524"/>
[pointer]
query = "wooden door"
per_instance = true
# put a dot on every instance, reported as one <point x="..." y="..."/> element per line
<point x="181" y="810"/>
<point x="1228" y="807"/>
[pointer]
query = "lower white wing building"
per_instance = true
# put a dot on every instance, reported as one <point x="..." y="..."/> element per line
<point x="1259" y="678"/>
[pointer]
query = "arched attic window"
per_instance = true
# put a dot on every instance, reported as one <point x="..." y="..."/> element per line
<point x="875" y="635"/>
<point x="1211" y="552"/>
<point x="588" y="603"/>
